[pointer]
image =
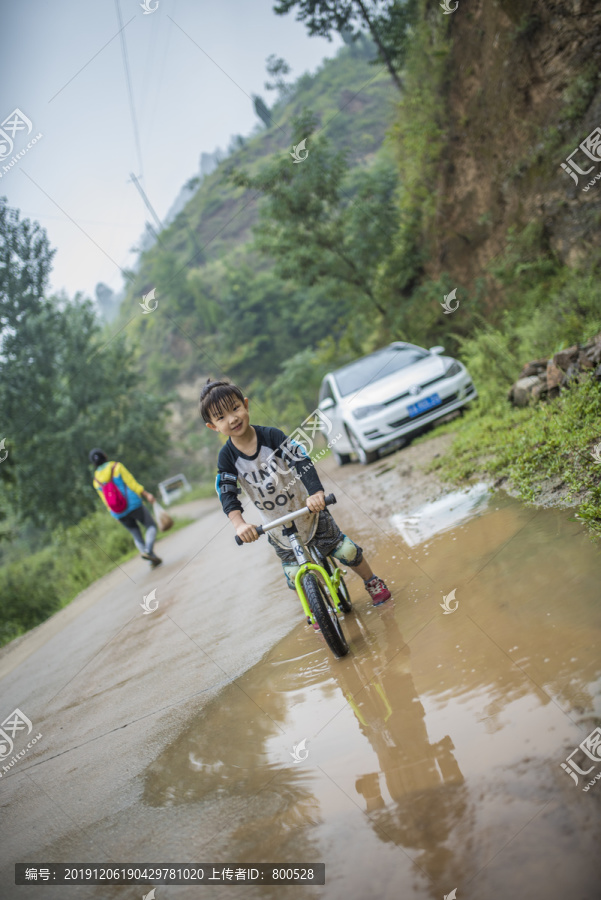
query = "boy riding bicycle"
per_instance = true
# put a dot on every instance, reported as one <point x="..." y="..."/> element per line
<point x="278" y="477"/>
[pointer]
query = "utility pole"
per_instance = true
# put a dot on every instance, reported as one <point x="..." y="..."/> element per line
<point x="150" y="208"/>
<point x="146" y="201"/>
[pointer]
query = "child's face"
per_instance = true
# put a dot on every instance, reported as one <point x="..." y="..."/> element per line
<point x="233" y="421"/>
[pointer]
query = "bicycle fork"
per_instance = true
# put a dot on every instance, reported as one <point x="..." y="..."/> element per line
<point x="305" y="566"/>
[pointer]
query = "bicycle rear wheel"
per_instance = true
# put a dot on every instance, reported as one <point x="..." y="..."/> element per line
<point x="325" y="615"/>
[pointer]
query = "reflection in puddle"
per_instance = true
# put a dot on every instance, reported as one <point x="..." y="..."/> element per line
<point x="434" y="518"/>
<point x="434" y="747"/>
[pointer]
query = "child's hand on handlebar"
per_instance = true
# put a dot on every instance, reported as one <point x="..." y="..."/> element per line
<point x="247" y="533"/>
<point x="316" y="502"/>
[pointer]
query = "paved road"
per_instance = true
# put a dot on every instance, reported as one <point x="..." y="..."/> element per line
<point x="434" y="748"/>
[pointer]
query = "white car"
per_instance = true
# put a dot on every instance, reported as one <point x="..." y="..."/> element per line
<point x="377" y="400"/>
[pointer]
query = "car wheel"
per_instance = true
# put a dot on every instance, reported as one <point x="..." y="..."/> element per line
<point x="341" y="458"/>
<point x="364" y="456"/>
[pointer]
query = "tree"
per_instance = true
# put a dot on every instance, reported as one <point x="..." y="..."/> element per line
<point x="107" y="301"/>
<point x="388" y="22"/>
<point x="261" y="109"/>
<point x="25" y="263"/>
<point x="277" y="68"/>
<point x="320" y="229"/>
<point x="63" y="389"/>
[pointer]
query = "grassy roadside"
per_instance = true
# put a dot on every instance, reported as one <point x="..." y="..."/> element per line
<point x="34" y="588"/>
<point x="543" y="452"/>
<point x="200" y="492"/>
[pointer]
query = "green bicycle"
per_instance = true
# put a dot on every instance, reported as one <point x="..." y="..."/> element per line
<point x="319" y="583"/>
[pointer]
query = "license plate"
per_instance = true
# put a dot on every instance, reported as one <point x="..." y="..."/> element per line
<point x="414" y="409"/>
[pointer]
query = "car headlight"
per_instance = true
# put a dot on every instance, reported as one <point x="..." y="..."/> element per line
<point x="364" y="411"/>
<point x="454" y="369"/>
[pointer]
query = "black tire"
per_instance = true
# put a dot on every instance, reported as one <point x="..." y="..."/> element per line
<point x="365" y="457"/>
<point x="344" y="598"/>
<point x="325" y="615"/>
<point x="342" y="459"/>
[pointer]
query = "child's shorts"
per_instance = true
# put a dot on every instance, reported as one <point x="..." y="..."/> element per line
<point x="329" y="540"/>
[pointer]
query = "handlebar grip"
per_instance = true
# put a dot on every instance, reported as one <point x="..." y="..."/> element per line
<point x="330" y="499"/>
<point x="260" y="531"/>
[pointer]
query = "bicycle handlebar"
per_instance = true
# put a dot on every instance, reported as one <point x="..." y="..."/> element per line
<point x="263" y="529"/>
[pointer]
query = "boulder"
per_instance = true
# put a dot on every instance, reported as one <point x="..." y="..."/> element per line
<point x="572" y="374"/>
<point x="521" y="391"/>
<point x="541" y="389"/>
<point x="545" y="378"/>
<point x="592" y="350"/>
<point x="554" y="375"/>
<point x="536" y="367"/>
<point x="564" y="358"/>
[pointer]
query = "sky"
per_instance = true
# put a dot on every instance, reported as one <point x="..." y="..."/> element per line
<point x="193" y="66"/>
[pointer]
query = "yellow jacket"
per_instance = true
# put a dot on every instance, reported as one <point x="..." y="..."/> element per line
<point x="124" y="480"/>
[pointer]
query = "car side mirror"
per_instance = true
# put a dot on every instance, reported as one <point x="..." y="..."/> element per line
<point x="436" y="350"/>
<point x="327" y="403"/>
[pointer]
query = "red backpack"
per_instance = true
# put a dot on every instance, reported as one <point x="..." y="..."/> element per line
<point x="115" y="500"/>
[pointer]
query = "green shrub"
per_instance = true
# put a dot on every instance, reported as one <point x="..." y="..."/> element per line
<point x="34" y="588"/>
<point x="29" y="593"/>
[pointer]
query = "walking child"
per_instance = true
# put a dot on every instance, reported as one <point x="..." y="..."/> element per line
<point x="279" y="477"/>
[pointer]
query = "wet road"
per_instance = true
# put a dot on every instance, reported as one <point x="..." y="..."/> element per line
<point x="433" y="751"/>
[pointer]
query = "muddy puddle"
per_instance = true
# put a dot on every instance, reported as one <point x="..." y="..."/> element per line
<point x="428" y="759"/>
<point x="440" y="515"/>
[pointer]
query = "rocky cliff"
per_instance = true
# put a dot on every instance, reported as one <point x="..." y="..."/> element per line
<point x="524" y="91"/>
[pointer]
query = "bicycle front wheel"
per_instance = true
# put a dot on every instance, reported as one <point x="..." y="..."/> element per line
<point x="325" y="615"/>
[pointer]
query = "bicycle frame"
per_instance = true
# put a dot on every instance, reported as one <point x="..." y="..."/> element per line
<point x="303" y="559"/>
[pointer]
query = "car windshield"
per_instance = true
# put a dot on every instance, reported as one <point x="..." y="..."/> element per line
<point x="377" y="365"/>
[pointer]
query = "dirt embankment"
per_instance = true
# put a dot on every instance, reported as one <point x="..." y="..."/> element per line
<point x="397" y="482"/>
<point x="524" y="91"/>
<point x="400" y="482"/>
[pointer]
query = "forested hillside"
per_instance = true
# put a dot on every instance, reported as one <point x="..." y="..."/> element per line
<point x="223" y="306"/>
<point x="358" y="243"/>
